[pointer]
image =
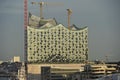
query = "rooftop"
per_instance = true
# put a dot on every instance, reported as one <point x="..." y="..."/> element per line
<point x="38" y="23"/>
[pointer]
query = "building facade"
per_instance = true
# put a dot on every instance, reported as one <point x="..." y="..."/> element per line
<point x="49" y="42"/>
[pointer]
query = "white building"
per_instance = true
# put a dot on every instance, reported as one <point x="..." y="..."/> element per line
<point x="49" y="42"/>
<point x="16" y="59"/>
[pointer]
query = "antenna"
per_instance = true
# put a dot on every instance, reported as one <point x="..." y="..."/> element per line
<point x="69" y="14"/>
<point x="25" y="35"/>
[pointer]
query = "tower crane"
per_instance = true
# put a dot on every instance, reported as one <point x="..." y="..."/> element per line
<point x="25" y="29"/>
<point x="25" y="35"/>
<point x="41" y="7"/>
<point x="41" y="4"/>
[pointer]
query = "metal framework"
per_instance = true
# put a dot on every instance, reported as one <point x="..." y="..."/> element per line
<point x="25" y="34"/>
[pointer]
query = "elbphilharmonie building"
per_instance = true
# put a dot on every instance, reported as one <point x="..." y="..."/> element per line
<point x="50" y="42"/>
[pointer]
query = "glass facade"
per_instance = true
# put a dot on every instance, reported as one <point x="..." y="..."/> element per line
<point x="57" y="44"/>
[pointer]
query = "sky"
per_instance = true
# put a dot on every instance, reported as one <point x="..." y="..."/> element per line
<point x="101" y="16"/>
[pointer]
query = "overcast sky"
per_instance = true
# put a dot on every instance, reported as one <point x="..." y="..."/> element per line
<point x="101" y="16"/>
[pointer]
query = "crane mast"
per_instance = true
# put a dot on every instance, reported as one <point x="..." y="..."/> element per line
<point x="41" y="4"/>
<point x="41" y="7"/>
<point x="69" y="14"/>
<point x="25" y="35"/>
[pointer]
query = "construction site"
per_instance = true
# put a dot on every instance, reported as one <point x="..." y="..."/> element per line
<point x="56" y="52"/>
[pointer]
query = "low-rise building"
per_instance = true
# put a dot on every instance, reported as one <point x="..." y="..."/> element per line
<point x="16" y="59"/>
<point x="37" y="71"/>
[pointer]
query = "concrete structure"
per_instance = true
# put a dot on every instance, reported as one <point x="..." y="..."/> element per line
<point x="100" y="70"/>
<point x="49" y="42"/>
<point x="72" y="71"/>
<point x="34" y="70"/>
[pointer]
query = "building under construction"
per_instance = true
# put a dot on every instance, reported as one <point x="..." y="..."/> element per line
<point x="49" y="42"/>
<point x="46" y="41"/>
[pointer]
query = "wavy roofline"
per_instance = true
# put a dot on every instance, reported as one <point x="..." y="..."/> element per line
<point x="52" y="27"/>
<point x="57" y="24"/>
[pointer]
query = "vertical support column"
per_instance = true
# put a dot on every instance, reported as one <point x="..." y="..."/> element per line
<point x="69" y="14"/>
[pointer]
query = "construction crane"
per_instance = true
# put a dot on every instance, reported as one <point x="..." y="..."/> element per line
<point x="69" y="14"/>
<point x="41" y="4"/>
<point x="25" y="36"/>
<point x="41" y="7"/>
<point x="25" y="29"/>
